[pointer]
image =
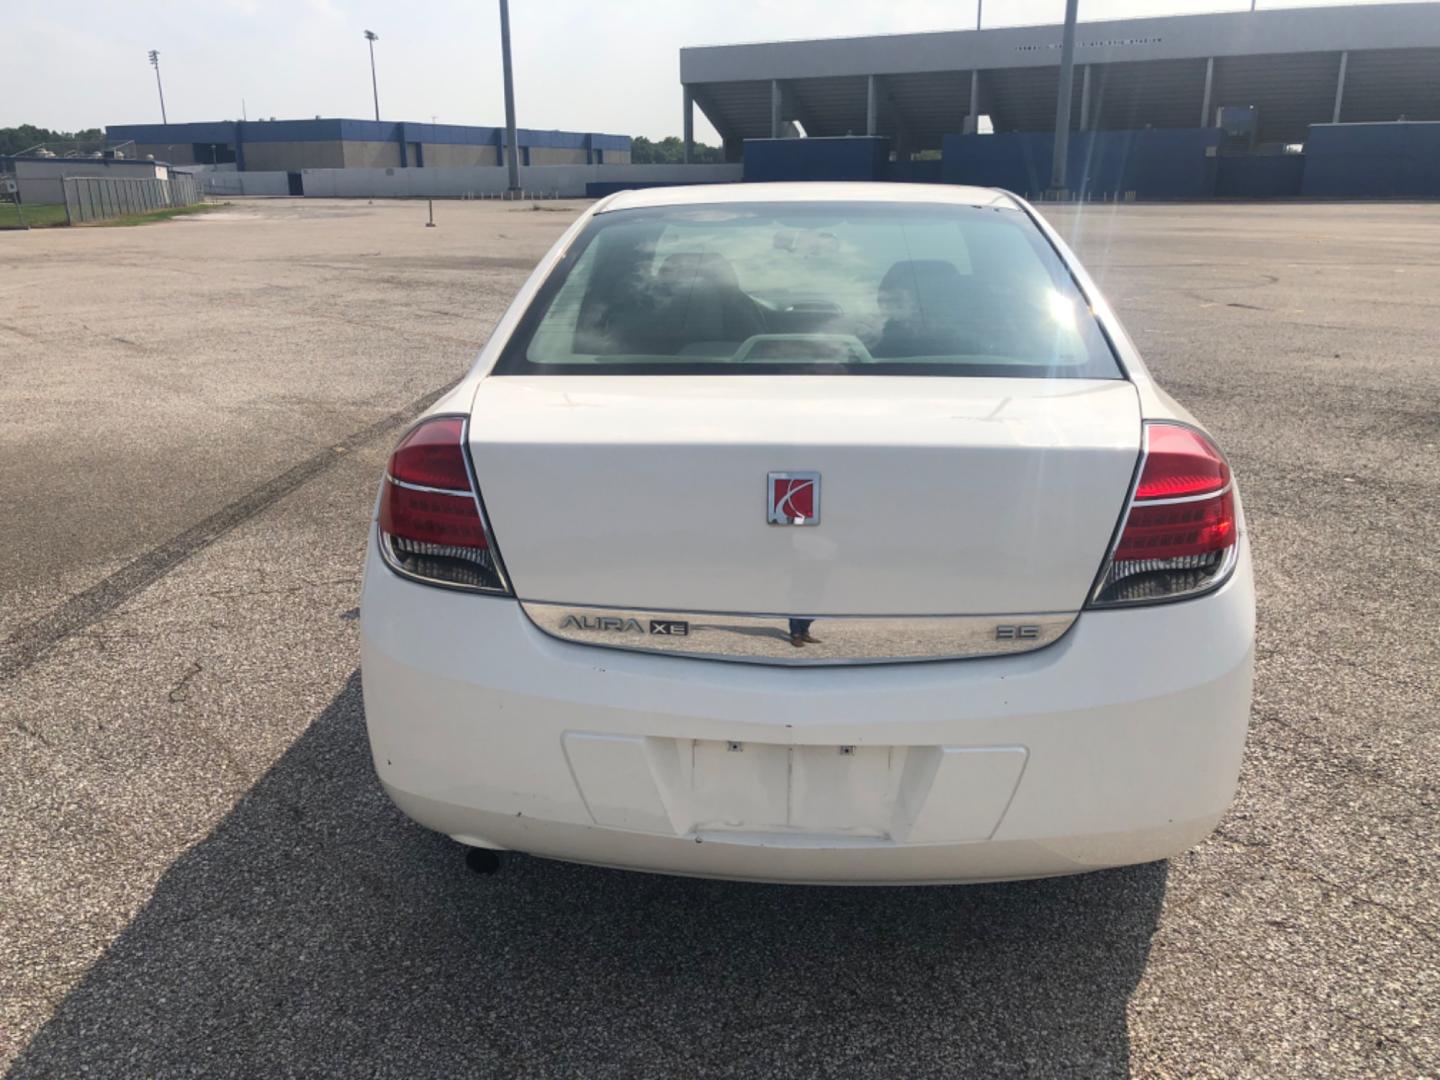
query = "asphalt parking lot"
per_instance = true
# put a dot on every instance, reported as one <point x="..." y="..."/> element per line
<point x="202" y="877"/>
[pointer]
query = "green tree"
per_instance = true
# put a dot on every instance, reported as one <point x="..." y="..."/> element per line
<point x="671" y="151"/>
<point x="15" y="139"/>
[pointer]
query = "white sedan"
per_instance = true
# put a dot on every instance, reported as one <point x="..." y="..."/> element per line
<point x="813" y="533"/>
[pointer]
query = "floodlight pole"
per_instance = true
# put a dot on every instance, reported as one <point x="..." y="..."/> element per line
<point x="155" y="63"/>
<point x="1062" y="103"/>
<point x="373" y="37"/>
<point x="512" y="139"/>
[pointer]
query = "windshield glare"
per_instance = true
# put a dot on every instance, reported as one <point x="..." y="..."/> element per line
<point x="868" y="288"/>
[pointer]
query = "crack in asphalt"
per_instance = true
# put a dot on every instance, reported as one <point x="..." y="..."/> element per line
<point x="181" y="690"/>
<point x="31" y="642"/>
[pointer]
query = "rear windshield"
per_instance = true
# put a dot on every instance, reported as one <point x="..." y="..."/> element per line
<point x="781" y="288"/>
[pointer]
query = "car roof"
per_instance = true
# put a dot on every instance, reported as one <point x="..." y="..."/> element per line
<point x="844" y="191"/>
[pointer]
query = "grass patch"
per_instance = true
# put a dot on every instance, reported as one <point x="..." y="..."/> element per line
<point x="46" y="215"/>
<point x="37" y="215"/>
<point x="159" y="215"/>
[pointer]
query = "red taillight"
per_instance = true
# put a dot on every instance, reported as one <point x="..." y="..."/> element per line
<point x="431" y="528"/>
<point x="1171" y="530"/>
<point x="1179" y="463"/>
<point x="433" y="455"/>
<point x="432" y="518"/>
<point x="1180" y="531"/>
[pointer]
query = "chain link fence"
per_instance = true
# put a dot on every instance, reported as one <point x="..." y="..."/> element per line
<point x="99" y="198"/>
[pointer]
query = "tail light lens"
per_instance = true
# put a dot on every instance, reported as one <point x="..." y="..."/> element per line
<point x="1179" y="534"/>
<point x="432" y="525"/>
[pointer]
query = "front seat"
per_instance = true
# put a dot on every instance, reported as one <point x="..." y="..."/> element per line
<point x="701" y="302"/>
<point x="926" y="307"/>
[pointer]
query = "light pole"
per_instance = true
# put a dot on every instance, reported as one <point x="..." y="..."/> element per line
<point x="155" y="63"/>
<point x="1062" y="102"/>
<point x="373" y="37"/>
<point x="512" y="140"/>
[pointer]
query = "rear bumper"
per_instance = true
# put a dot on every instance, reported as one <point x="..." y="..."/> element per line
<point x="1119" y="744"/>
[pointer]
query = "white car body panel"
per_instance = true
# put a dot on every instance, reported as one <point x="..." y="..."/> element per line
<point x="1119" y="743"/>
<point x="942" y="496"/>
<point x="1131" y="739"/>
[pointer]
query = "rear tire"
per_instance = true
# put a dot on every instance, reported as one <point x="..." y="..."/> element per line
<point x="482" y="861"/>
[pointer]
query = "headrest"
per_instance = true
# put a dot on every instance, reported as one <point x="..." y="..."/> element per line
<point x="919" y="286"/>
<point x="686" y="269"/>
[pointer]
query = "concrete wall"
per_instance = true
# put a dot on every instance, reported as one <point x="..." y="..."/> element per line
<point x="366" y="155"/>
<point x="457" y="156"/>
<point x="567" y="180"/>
<point x="38" y="179"/>
<point x="545" y="155"/>
<point x="293" y="156"/>
<point x="259" y="156"/>
<point x="1239" y="33"/>
<point x="334" y="154"/>
<point x="244" y="183"/>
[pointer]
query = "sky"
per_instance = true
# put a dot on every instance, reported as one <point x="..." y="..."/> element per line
<point x="581" y="65"/>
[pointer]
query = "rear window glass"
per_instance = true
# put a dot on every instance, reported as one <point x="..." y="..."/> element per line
<point x="781" y="288"/>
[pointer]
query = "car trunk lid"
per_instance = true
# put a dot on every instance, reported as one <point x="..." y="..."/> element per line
<point x="938" y="496"/>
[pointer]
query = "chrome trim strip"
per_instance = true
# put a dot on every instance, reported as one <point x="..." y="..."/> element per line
<point x="1103" y="577"/>
<point x="1186" y="498"/>
<point x="480" y="506"/>
<point x="766" y="639"/>
<point x="421" y="487"/>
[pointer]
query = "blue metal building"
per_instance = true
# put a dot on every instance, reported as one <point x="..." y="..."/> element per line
<point x="333" y="143"/>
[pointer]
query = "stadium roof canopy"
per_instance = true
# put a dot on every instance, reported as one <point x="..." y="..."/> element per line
<point x="1297" y="66"/>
